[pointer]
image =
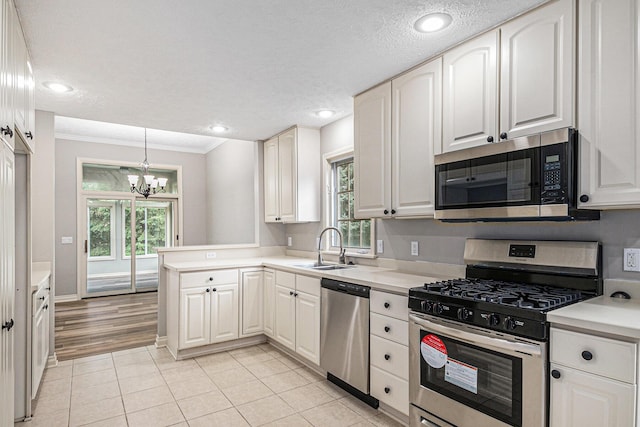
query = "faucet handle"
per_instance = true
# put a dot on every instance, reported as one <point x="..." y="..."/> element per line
<point x="342" y="258"/>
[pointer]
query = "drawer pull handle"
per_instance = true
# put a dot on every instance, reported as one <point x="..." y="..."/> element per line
<point x="387" y="356"/>
<point x="41" y="298"/>
<point x="555" y="374"/>
<point x="387" y="329"/>
<point x="587" y="355"/>
<point x="387" y="305"/>
<point x="387" y="390"/>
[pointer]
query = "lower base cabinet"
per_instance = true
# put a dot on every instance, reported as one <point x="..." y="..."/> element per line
<point x="39" y="338"/>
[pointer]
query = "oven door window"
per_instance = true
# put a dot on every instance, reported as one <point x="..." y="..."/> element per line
<point x="482" y="379"/>
<point x="509" y="179"/>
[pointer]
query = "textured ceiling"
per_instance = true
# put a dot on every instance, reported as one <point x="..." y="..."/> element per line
<point x="255" y="66"/>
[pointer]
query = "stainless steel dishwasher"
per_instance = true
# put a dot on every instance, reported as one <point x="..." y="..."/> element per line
<point x="344" y="336"/>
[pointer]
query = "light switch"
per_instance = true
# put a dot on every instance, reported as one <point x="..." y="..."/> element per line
<point x="414" y="248"/>
<point x="66" y="240"/>
<point x="380" y="246"/>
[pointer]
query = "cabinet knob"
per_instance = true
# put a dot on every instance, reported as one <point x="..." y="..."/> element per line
<point x="584" y="198"/>
<point x="503" y="135"/>
<point x="214" y="290"/>
<point x="387" y="390"/>
<point x="208" y="290"/>
<point x="211" y="279"/>
<point x="387" y="329"/>
<point x="29" y="135"/>
<point x="387" y="305"/>
<point x="295" y="294"/>
<point x="387" y="356"/>
<point x="555" y="374"/>
<point x="46" y="306"/>
<point x="290" y="292"/>
<point x="8" y="325"/>
<point x="393" y="211"/>
<point x="587" y="355"/>
<point x="386" y="212"/>
<point x="41" y="298"/>
<point x="48" y="289"/>
<point x="489" y="139"/>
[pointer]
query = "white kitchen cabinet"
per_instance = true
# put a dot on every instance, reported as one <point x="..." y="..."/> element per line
<point x="469" y="93"/>
<point x="39" y="339"/>
<point x="224" y="312"/>
<point x="253" y="305"/>
<point x="285" y="316"/>
<point x="394" y="148"/>
<point x="533" y="72"/>
<point x="292" y="176"/>
<point x="195" y="314"/>
<point x="269" y="302"/>
<point x="608" y="103"/>
<point x="23" y="96"/>
<point x="593" y="380"/>
<point x="308" y="326"/>
<point x="6" y="73"/>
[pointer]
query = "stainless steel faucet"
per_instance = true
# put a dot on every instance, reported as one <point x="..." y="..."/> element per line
<point x="341" y="259"/>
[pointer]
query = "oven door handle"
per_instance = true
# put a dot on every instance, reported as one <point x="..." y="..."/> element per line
<point x="481" y="340"/>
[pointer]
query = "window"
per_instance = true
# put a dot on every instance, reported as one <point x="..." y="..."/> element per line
<point x="101" y="232"/>
<point x="151" y="229"/>
<point x="357" y="233"/>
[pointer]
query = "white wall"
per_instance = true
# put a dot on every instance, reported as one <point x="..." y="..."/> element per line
<point x="43" y="188"/>
<point x="66" y="153"/>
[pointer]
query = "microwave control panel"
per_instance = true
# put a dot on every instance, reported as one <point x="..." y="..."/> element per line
<point x="554" y="174"/>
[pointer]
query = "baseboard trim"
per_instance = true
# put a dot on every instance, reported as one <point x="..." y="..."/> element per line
<point x="52" y="361"/>
<point x="66" y="298"/>
<point x="161" y="341"/>
<point x="218" y="347"/>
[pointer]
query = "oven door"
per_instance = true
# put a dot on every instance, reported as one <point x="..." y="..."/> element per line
<point x="474" y="377"/>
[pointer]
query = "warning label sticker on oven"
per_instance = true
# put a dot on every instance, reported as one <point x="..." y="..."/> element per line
<point x="433" y="351"/>
<point x="460" y="374"/>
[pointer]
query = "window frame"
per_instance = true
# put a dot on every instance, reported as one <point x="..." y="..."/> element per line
<point x="124" y="232"/>
<point x="329" y="185"/>
<point x="112" y="232"/>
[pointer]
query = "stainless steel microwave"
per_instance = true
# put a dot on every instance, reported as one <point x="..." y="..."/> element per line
<point x="523" y="179"/>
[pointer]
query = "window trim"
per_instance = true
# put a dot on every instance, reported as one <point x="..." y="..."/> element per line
<point x="112" y="231"/>
<point x="147" y="255"/>
<point x="327" y="212"/>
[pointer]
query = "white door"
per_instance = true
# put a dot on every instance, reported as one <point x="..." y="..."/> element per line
<point x="308" y="326"/>
<point x="372" y="152"/>
<point x="269" y="303"/>
<point x="608" y="115"/>
<point x="579" y="399"/>
<point x="285" y="317"/>
<point x="469" y="94"/>
<point x="271" y="180"/>
<point x="417" y="132"/>
<point x="537" y="71"/>
<point x="288" y="171"/>
<point x="252" y="303"/>
<point x="224" y="312"/>
<point x="195" y="317"/>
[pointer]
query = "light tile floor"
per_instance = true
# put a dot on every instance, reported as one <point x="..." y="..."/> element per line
<point x="146" y="387"/>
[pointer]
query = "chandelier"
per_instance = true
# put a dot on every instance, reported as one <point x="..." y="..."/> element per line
<point x="149" y="185"/>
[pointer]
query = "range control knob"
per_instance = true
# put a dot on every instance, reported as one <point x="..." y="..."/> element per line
<point x="427" y="306"/>
<point x="437" y="308"/>
<point x="494" y="319"/>
<point x="509" y="323"/>
<point x="463" y="313"/>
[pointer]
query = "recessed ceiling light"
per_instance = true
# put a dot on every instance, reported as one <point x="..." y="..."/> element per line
<point x="57" y="87"/>
<point x="219" y="128"/>
<point x="325" y="114"/>
<point x="432" y="22"/>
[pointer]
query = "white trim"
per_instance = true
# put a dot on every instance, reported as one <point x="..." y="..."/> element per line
<point x="161" y="341"/>
<point x="136" y="144"/>
<point x="52" y="361"/>
<point x="58" y="299"/>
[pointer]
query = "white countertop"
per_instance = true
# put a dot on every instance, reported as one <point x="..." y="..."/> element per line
<point x="377" y="278"/>
<point x="40" y="272"/>
<point x="601" y="314"/>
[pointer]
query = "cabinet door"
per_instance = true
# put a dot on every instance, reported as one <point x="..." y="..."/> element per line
<point x="579" y="399"/>
<point x="269" y="303"/>
<point x="224" y="312"/>
<point x="20" y="79"/>
<point x="6" y="75"/>
<point x="537" y="69"/>
<point x="288" y="164"/>
<point x="252" y="303"/>
<point x="195" y="324"/>
<point x="271" y="189"/>
<point x="308" y="326"/>
<point x="608" y="103"/>
<point x="372" y="152"/>
<point x="40" y="347"/>
<point x="285" y="317"/>
<point x="469" y="93"/>
<point x="417" y="131"/>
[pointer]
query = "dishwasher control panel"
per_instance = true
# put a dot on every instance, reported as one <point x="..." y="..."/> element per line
<point x="348" y="288"/>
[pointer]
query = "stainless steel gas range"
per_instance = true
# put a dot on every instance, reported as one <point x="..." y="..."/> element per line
<point x="478" y="345"/>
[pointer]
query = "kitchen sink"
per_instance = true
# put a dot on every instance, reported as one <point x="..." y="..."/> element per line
<point x="325" y="266"/>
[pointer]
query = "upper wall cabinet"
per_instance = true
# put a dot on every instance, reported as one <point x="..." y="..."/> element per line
<point x="292" y="176"/>
<point x="397" y="130"/>
<point x="608" y="103"/>
<point x="23" y="97"/>
<point x="536" y="63"/>
<point x="6" y="72"/>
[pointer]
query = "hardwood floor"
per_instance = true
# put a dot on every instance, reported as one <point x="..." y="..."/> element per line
<point x="105" y="324"/>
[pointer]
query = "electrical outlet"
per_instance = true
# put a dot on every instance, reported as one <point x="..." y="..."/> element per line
<point x="380" y="246"/>
<point x="631" y="259"/>
<point x="211" y="255"/>
<point x="289" y="241"/>
<point x="414" y="248"/>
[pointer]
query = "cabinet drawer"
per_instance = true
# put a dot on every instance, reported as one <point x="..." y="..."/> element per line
<point x="609" y="358"/>
<point x="286" y="279"/>
<point x="390" y="390"/>
<point x="390" y="356"/>
<point x="390" y="305"/>
<point x="39" y="298"/>
<point x="309" y="285"/>
<point x="212" y="277"/>
<point x="390" y="328"/>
